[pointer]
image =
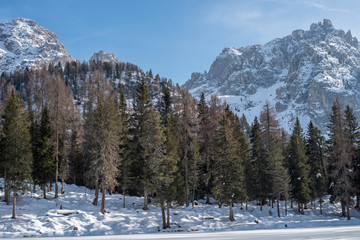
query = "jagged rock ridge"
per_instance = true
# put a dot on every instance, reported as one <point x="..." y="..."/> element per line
<point x="25" y="44"/>
<point x="104" y="57"/>
<point x="300" y="75"/>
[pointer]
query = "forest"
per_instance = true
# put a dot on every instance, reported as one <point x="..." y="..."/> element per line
<point x="114" y="128"/>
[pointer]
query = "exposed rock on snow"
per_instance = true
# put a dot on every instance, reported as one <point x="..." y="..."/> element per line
<point x="300" y="75"/>
<point x="25" y="44"/>
<point x="104" y="57"/>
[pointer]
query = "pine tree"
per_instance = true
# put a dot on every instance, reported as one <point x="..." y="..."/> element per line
<point x="76" y="162"/>
<point x="341" y="152"/>
<point x="318" y="166"/>
<point x="105" y="146"/>
<point x="125" y="153"/>
<point x="16" y="157"/>
<point x="352" y="128"/>
<point x="44" y="153"/>
<point x="148" y="141"/>
<point x="228" y="173"/>
<point x="299" y="167"/>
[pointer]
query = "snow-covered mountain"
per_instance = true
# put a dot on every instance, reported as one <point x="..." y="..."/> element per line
<point x="104" y="57"/>
<point x="25" y="44"/>
<point x="300" y="75"/>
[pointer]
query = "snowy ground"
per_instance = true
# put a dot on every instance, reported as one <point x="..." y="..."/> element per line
<point x="37" y="217"/>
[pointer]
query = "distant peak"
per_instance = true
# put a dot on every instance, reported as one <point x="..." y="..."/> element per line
<point x="27" y="21"/>
<point x="325" y="25"/>
<point x="104" y="57"/>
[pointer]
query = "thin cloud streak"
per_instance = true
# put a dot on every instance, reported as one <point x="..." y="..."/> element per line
<point x="87" y="37"/>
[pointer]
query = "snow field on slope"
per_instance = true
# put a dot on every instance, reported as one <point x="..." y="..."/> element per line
<point x="37" y="217"/>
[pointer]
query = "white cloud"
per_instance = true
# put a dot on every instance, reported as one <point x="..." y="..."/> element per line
<point x="326" y="8"/>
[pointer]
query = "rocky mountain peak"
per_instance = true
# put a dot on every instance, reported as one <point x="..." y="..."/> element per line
<point x="300" y="75"/>
<point x="25" y="44"/>
<point x="104" y="57"/>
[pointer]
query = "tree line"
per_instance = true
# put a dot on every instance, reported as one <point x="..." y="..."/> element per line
<point x="79" y="126"/>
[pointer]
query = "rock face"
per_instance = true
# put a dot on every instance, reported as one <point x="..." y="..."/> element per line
<point x="300" y="75"/>
<point x="24" y="44"/>
<point x="104" y="57"/>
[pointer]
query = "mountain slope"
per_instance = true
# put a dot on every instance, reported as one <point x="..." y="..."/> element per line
<point x="300" y="75"/>
<point x="24" y="44"/>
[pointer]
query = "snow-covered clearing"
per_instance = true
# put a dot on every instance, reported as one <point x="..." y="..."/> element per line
<point x="37" y="217"/>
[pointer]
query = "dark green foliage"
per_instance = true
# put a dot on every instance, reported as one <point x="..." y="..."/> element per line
<point x="298" y="166"/>
<point x="16" y="157"/>
<point x="318" y="168"/>
<point x="44" y="153"/>
<point x="228" y="169"/>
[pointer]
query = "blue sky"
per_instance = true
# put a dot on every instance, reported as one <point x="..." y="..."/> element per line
<point x="176" y="37"/>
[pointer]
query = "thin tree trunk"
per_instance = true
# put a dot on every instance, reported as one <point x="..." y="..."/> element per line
<point x="14" y="205"/>
<point x="278" y="207"/>
<point x="343" y="213"/>
<point x="261" y="202"/>
<point x="321" y="205"/>
<point x="96" y="199"/>
<point x="348" y="209"/>
<point x="231" y="213"/>
<point x="168" y="203"/>
<point x="44" y="190"/>
<point x="193" y="197"/>
<point x="57" y="160"/>
<point x="123" y="193"/>
<point x="103" y="198"/>
<point x="272" y="203"/>
<point x="186" y="179"/>
<point x="285" y="207"/>
<point x="299" y="208"/>
<point x="207" y="199"/>
<point x="291" y="203"/>
<point x="6" y="192"/>
<point x="246" y="205"/>
<point x="34" y="188"/>
<point x="145" y="199"/>
<point x="163" y="213"/>
<point x="357" y="201"/>
<point x="62" y="186"/>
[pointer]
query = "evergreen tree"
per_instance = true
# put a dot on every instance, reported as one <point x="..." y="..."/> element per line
<point x="299" y="168"/>
<point x="341" y="152"/>
<point x="352" y="128"/>
<point x="318" y="172"/>
<point x="16" y="157"/>
<point x="76" y="162"/>
<point x="44" y="153"/>
<point x="125" y="153"/>
<point x="228" y="172"/>
<point x="105" y="146"/>
<point x="148" y="141"/>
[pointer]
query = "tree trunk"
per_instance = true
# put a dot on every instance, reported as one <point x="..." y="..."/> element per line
<point x="357" y="201"/>
<point x="14" y="206"/>
<point x="62" y="186"/>
<point x="246" y="205"/>
<point x="285" y="207"/>
<point x="278" y="207"/>
<point x="34" y="188"/>
<point x="207" y="199"/>
<point x="168" y="203"/>
<point x="321" y="205"/>
<point x="291" y="203"/>
<point x="163" y="213"/>
<point x="231" y="213"/>
<point x="6" y="192"/>
<point x="261" y="202"/>
<point x="123" y="193"/>
<point x="193" y="197"/>
<point x="44" y="190"/>
<point x="299" y="208"/>
<point x="272" y="203"/>
<point x="57" y="161"/>
<point x="186" y="179"/>
<point x="96" y="199"/>
<point x="103" y="198"/>
<point x="348" y="209"/>
<point x="145" y="199"/>
<point x="343" y="213"/>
